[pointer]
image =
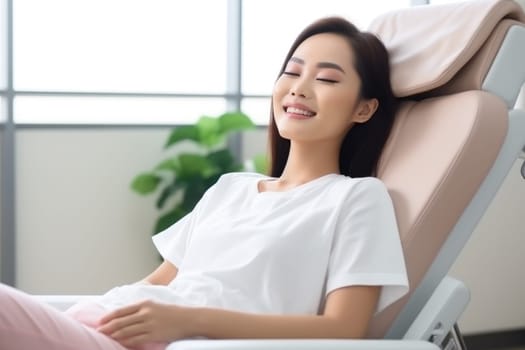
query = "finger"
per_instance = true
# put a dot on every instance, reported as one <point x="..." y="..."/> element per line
<point x="119" y="323"/>
<point x="118" y="313"/>
<point x="135" y="341"/>
<point x="130" y="331"/>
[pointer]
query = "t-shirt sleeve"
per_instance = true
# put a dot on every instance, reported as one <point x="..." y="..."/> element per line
<point x="173" y="241"/>
<point x="366" y="249"/>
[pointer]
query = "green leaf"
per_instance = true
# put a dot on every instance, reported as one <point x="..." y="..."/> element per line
<point x="234" y="121"/>
<point x="193" y="192"/>
<point x="145" y="183"/>
<point x="171" y="164"/>
<point x="168" y="219"/>
<point x="209" y="131"/>
<point x="222" y="159"/>
<point x="194" y="165"/>
<point x="181" y="133"/>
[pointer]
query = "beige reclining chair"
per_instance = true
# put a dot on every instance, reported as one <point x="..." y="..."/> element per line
<point x="459" y="68"/>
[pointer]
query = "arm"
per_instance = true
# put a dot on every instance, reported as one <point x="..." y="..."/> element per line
<point x="346" y="314"/>
<point x="163" y="274"/>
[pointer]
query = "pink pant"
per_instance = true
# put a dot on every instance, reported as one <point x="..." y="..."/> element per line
<point x="26" y="324"/>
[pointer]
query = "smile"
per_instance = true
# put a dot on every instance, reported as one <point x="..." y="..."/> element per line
<point x="299" y="111"/>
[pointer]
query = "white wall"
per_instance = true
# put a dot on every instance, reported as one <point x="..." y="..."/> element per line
<point x="80" y="229"/>
<point x="492" y="262"/>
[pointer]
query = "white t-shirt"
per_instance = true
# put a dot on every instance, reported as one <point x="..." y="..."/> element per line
<point x="279" y="252"/>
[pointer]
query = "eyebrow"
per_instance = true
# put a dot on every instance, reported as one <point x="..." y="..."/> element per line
<point x="320" y="64"/>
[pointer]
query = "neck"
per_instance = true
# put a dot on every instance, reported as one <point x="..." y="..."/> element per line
<point x="310" y="161"/>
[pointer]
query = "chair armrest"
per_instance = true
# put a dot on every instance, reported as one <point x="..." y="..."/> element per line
<point x="61" y="302"/>
<point x="303" y="344"/>
<point x="441" y="312"/>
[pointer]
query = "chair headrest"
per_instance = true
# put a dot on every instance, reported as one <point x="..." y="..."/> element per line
<point x="429" y="44"/>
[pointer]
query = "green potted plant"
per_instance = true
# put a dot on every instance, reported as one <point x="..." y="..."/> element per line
<point x="182" y="179"/>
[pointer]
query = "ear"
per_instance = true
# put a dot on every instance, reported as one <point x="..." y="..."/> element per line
<point x="365" y="110"/>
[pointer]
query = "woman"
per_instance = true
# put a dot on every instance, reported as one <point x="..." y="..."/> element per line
<point x="311" y="251"/>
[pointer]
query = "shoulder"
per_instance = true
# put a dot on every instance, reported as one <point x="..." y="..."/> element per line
<point x="363" y="182"/>
<point x="372" y="185"/>
<point x="362" y="185"/>
<point x="365" y="191"/>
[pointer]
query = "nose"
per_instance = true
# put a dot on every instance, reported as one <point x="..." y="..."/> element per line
<point x="299" y="88"/>
<point x="298" y="94"/>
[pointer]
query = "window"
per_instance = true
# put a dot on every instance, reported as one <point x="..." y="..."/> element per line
<point x="257" y="108"/>
<point x="3" y="45"/>
<point x="133" y="47"/>
<point x="155" y="61"/>
<point x="120" y="45"/>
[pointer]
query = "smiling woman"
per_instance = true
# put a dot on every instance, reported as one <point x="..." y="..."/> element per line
<point x="330" y="87"/>
<point x="247" y="262"/>
<point x="341" y="83"/>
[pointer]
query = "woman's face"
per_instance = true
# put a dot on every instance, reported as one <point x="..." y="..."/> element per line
<point x="316" y="97"/>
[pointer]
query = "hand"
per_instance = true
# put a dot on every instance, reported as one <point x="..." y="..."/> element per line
<point x="145" y="322"/>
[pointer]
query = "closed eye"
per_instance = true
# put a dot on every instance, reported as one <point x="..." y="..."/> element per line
<point x="291" y="74"/>
<point x="327" y="80"/>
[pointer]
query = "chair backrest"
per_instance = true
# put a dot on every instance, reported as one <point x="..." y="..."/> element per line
<point x="459" y="69"/>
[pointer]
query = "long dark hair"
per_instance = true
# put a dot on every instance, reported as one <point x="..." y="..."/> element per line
<point x="363" y="144"/>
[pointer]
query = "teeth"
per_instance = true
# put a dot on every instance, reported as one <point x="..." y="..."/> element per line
<point x="299" y="111"/>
